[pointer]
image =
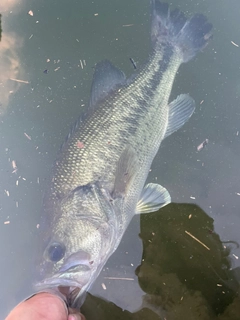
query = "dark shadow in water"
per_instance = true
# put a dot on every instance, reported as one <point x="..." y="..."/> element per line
<point x="185" y="271"/>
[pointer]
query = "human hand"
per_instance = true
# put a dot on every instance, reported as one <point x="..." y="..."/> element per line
<point x="44" y="306"/>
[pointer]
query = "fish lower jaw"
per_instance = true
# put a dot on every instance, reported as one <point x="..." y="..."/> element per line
<point x="56" y="283"/>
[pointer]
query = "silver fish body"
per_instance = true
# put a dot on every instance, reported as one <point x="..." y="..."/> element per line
<point x="98" y="179"/>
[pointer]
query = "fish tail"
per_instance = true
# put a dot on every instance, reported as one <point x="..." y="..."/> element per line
<point x="188" y="36"/>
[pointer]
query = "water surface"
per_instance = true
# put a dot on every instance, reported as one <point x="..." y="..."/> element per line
<point x="48" y="51"/>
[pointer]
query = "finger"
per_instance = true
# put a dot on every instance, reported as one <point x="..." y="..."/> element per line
<point x="40" y="306"/>
<point x="75" y="315"/>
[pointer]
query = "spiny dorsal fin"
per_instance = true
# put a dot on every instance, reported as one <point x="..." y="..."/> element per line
<point x="106" y="78"/>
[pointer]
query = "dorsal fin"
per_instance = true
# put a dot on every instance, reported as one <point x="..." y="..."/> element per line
<point x="106" y="78"/>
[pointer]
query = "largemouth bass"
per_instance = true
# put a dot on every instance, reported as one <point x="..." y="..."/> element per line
<point x="98" y="179"/>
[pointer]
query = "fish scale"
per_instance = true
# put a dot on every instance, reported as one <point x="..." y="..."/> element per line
<point x="97" y="133"/>
<point x="97" y="182"/>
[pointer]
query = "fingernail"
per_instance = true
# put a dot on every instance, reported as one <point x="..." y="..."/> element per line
<point x="75" y="317"/>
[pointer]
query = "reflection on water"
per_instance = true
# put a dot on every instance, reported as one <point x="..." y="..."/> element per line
<point x="45" y="110"/>
<point x="10" y="45"/>
<point x="185" y="271"/>
<point x="9" y="69"/>
<point x="6" y="6"/>
<point x="186" y="268"/>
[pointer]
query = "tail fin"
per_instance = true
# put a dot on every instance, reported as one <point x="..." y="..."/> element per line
<point x="189" y="36"/>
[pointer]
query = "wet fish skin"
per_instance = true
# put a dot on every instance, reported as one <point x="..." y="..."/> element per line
<point x="98" y="179"/>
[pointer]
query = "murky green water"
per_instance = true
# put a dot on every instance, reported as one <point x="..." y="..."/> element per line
<point x="51" y="47"/>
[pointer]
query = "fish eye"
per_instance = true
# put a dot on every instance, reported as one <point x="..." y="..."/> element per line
<point x="56" y="251"/>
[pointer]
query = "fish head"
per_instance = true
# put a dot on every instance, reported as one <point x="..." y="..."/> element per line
<point x="65" y="267"/>
<point x="75" y="244"/>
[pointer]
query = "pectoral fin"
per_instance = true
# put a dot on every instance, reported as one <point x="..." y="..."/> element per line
<point x="125" y="172"/>
<point x="180" y="110"/>
<point x="153" y="197"/>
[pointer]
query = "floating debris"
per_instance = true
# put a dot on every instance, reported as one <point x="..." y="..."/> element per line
<point x="191" y="197"/>
<point x="115" y="278"/>
<point x="19" y="80"/>
<point x="6" y="222"/>
<point x="14" y="166"/>
<point x="202" y="145"/>
<point x="46" y="71"/>
<point x="26" y="135"/>
<point x="188" y="233"/>
<point x="30" y="12"/>
<point x="104" y="287"/>
<point x="7" y="192"/>
<point x="128" y="25"/>
<point x="133" y="63"/>
<point x="236" y="257"/>
<point x="236" y="45"/>
<point x="232" y="242"/>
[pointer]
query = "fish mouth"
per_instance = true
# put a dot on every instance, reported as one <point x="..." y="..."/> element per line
<point x="70" y="292"/>
<point x="77" y="276"/>
<point x="69" y="285"/>
<point x="55" y="283"/>
<point x="70" y="280"/>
